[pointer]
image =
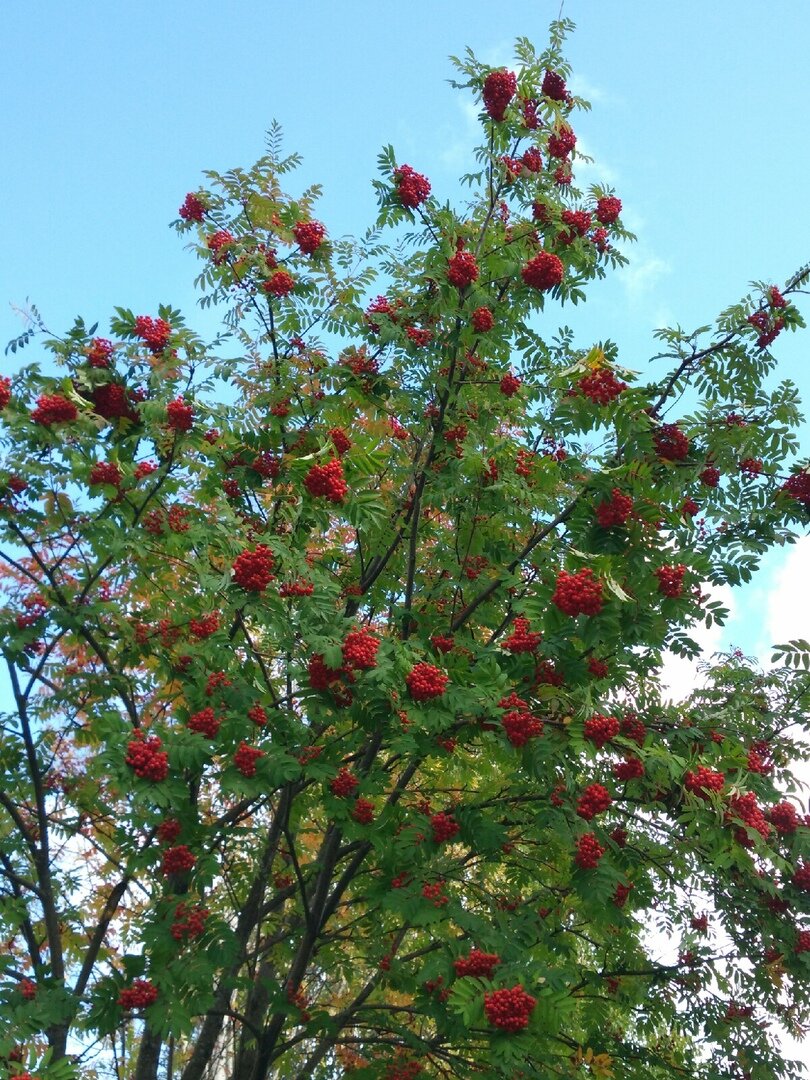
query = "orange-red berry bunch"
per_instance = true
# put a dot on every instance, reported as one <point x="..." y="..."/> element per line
<point x="155" y="332"/>
<point x="360" y="649"/>
<point x="253" y="570"/>
<point x="671" y="444"/>
<point x="543" y="272"/>
<point x="205" y="722"/>
<point x="703" y="781"/>
<point x="344" y="784"/>
<point x="53" y="409"/>
<point x="595" y="799"/>
<point x="478" y="965"/>
<point x="140" y="995"/>
<point x="509" y="1010"/>
<point x="146" y="759"/>
<point x="424" y="681"/>
<point x="522" y="639"/>
<point x="412" y="188"/>
<point x="177" y="860"/>
<point x="189" y="922"/>
<point x="589" y="852"/>
<point x="179" y="415"/>
<point x="246" y="757"/>
<point x="444" y="827"/>
<point x="601" y="729"/>
<point x="499" y="89"/>
<point x="601" y="386"/>
<point x="579" y="593"/>
<point x="615" y="510"/>
<point x="309" y="235"/>
<point x="327" y="481"/>
<point x="462" y="269"/>
<point x="670" y="580"/>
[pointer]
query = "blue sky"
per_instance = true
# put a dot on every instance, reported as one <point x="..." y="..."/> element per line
<point x="113" y="111"/>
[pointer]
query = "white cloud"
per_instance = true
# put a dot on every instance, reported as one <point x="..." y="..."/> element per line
<point x="679" y="676"/>
<point x="788" y="607"/>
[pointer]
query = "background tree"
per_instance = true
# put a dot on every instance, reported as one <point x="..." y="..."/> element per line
<point x="337" y="743"/>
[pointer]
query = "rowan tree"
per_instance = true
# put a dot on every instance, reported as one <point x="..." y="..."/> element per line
<point x="336" y="743"/>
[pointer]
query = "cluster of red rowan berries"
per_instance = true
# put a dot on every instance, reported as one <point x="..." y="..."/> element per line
<point x="632" y="768"/>
<point x="53" y="409"/>
<point x="360" y="649"/>
<point x="670" y="443"/>
<point x="703" y="781"/>
<point x="179" y="415"/>
<point x="621" y="894"/>
<point x="589" y="852"/>
<point x="424" y="681"/>
<point x="245" y="759"/>
<point x="363" y="811"/>
<point x="5" y="391"/>
<point x="522" y="639"/>
<point x="510" y="1009"/>
<point x="327" y="481"/>
<point x="499" y="89"/>
<point x="106" y="472"/>
<point x="113" y="402"/>
<point x="747" y="809"/>
<point x="309" y="235"/>
<point x="615" y="510"/>
<point x="478" y="964"/>
<point x="193" y="208"/>
<point x="601" y="729"/>
<point x="204" y="627"/>
<point x="253" y="570"/>
<point x="28" y="988"/>
<point x="462" y="269"/>
<point x="279" y="284"/>
<point x="300" y="587"/>
<point x="784" y="817"/>
<point x="100" y="352"/>
<point x="579" y="593"/>
<point x="595" y="799"/>
<point x="177" y="860"/>
<point x="518" y="722"/>
<point x="343" y="785"/>
<point x="257" y="715"/>
<point x="155" y="332"/>
<point x="412" y="187"/>
<point x="189" y="922"/>
<point x="543" y="272"/>
<point x="205" y="722"/>
<point x="340" y="440"/>
<point x="140" y="995"/>
<point x="601" y="386"/>
<point x="670" y="580"/>
<point x="216" y="242"/>
<point x="482" y="320"/>
<point x="168" y="830"/>
<point x="509" y="385"/>
<point x="146" y="759"/>
<point x="444" y="827"/>
<point x="435" y="893"/>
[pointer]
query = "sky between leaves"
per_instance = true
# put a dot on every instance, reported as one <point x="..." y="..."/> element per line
<point x="699" y="121"/>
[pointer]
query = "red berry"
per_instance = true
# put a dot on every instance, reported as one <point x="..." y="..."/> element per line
<point x="309" y="235"/>
<point x="562" y="142"/>
<point x="106" y="472"/>
<point x="578" y="594"/>
<point x="178" y="860"/>
<point x="482" y="320"/>
<point x="252" y="570"/>
<point x="595" y="799"/>
<point x="279" y="284"/>
<point x="608" y="209"/>
<point x="100" y="352"/>
<point x="363" y="811"/>
<point x="589" y="852"/>
<point x="146" y="759"/>
<point x="509" y="385"/>
<point x="670" y="580"/>
<point x="412" y="188"/>
<point x="444" y="826"/>
<point x="180" y="415"/>
<point x="509" y="1010"/>
<point x="614" y="511"/>
<point x="553" y="86"/>
<point x="246" y="757"/>
<point x="155" y="332"/>
<point x="499" y="89"/>
<point x="140" y="995"/>
<point x="216" y="242"/>
<point x="478" y="964"/>
<point x="360" y="649"/>
<point x="543" y="272"/>
<point x="601" y="729"/>
<point x="703" y="781"/>
<point x="424" y="681"/>
<point x="522" y="639"/>
<point x="189" y="922"/>
<point x="670" y="443"/>
<point x="327" y="481"/>
<point x="632" y="768"/>
<point x="193" y="209"/>
<point x="205" y="722"/>
<point x="797" y="487"/>
<point x="601" y="386"/>
<point x="462" y="269"/>
<point x="53" y="409"/>
<point x="343" y="784"/>
<point x="340" y="440"/>
<point x="784" y="817"/>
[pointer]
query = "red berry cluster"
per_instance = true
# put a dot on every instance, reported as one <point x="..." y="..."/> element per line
<point x="444" y="826"/>
<point x="169" y="830"/>
<point x="769" y="326"/>
<point x="28" y="989"/>
<point x="113" y="402"/>
<point x="478" y="964"/>
<point x="578" y="594"/>
<point x="509" y="1010"/>
<point x="522" y="639"/>
<point x="53" y="409"/>
<point x="553" y="86"/>
<point x="710" y="477"/>
<point x="177" y="860"/>
<point x="598" y="668"/>
<point x="309" y="235"/>
<point x="155" y="332"/>
<point x="482" y="320"/>
<point x="462" y="269"/>
<point x="601" y="729"/>
<point x="509" y="385"/>
<point x="601" y="386"/>
<point x="608" y="209"/>
<point x="204" y="627"/>
<point x="435" y="893"/>
<point x="589" y="852"/>
<point x="363" y="811"/>
<point x="689" y="507"/>
<point x="205" y="722"/>
<point x="216" y="242"/>
<point x="784" y="818"/>
<point x="499" y="89"/>
<point x="578" y="222"/>
<point x="747" y="809"/>
<point x="801" y="877"/>
<point x="670" y="580"/>
<point x="279" y="284"/>
<point x="146" y="759"/>
<point x="5" y="390"/>
<point x="193" y="208"/>
<point x="189" y="922"/>
<point x="595" y="799"/>
<point x="797" y="487"/>
<point x="253" y="570"/>
<point x="403" y="1070"/>
<point x="632" y="768"/>
<point x="246" y="757"/>
<point x="99" y="352"/>
<point x="106" y="472"/>
<point x="615" y="510"/>
<point x="532" y="160"/>
<point x="140" y="995"/>
<point x="751" y="466"/>
<point x="214" y="681"/>
<point x="179" y="415"/>
<point x="543" y="272"/>
<point x="703" y="781"/>
<point x="802" y="941"/>
<point x="412" y="188"/>
<point x="518" y="723"/>
<point x="360" y="649"/>
<point x="343" y="784"/>
<point x="561" y="142"/>
<point x="340" y="440"/>
<point x="322" y="677"/>
<point x="297" y="588"/>
<point x="424" y="681"/>
<point x="327" y="481"/>
<point x="670" y="443"/>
